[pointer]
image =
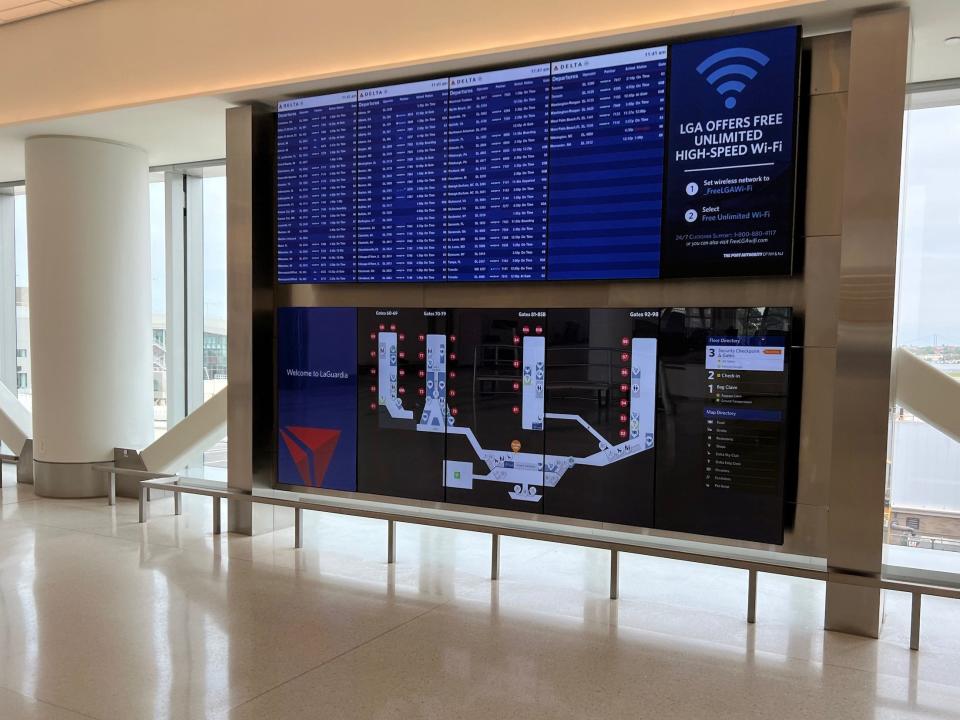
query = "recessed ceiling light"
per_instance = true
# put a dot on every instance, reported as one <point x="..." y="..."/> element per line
<point x="952" y="41"/>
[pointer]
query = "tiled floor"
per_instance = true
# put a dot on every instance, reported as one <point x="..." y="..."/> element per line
<point x="102" y="617"/>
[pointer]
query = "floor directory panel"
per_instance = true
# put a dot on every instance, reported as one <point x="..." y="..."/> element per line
<point x="723" y="431"/>
<point x="317" y="397"/>
<point x="401" y="402"/>
<point x="495" y="374"/>
<point x="606" y="165"/>
<point x="601" y="377"/>
<point x="496" y="199"/>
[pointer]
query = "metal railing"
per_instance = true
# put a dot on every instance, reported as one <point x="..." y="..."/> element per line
<point x="112" y="471"/>
<point x="568" y="536"/>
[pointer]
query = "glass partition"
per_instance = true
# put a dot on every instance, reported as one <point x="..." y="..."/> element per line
<point x="158" y="292"/>
<point x="922" y="524"/>
<point x="214" y="346"/>
<point x="24" y="387"/>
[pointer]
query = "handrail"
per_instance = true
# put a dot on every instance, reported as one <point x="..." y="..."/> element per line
<point x="16" y="422"/>
<point x="132" y="472"/>
<point x="179" y="485"/>
<point x="113" y="471"/>
<point x="195" y="433"/>
<point x="927" y="392"/>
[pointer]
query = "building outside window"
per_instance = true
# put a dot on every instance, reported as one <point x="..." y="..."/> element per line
<point x="205" y="298"/>
<point x="923" y="498"/>
<point x="24" y="387"/>
<point x="158" y="291"/>
<point x="215" y="296"/>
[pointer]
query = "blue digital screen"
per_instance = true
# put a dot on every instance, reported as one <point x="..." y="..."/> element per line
<point x="317" y="397"/>
<point x="316" y="186"/>
<point x="658" y="162"/>
<point x="401" y="152"/>
<point x="497" y="175"/>
<point x="606" y="165"/>
<point x="729" y="205"/>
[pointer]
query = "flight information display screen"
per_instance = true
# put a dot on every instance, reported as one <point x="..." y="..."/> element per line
<point x="401" y="150"/>
<point x="316" y="190"/>
<point x="606" y="165"/>
<point x="496" y="198"/>
<point x="667" y="161"/>
<point x="674" y="418"/>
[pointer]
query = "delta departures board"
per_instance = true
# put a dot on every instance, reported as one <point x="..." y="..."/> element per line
<point x="666" y="161"/>
<point x="675" y="418"/>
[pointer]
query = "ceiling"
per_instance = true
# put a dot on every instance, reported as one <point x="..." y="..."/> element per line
<point x="13" y="10"/>
<point x="174" y="132"/>
<point x="193" y="129"/>
<point x="934" y="21"/>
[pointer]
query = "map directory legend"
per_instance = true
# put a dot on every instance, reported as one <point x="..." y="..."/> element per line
<point x="725" y="424"/>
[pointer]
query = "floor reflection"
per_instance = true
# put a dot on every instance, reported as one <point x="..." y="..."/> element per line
<point x="102" y="616"/>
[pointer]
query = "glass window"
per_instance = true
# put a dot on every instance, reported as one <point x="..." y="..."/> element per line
<point x="24" y="391"/>
<point x="158" y="291"/>
<point x="923" y="498"/>
<point x="215" y="296"/>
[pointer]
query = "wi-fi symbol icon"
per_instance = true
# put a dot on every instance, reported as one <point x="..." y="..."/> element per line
<point x="724" y="68"/>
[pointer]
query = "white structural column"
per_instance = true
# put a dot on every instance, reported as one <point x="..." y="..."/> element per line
<point x="89" y="257"/>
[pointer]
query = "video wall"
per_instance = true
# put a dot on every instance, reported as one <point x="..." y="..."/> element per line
<point x="670" y="418"/>
<point x="667" y="161"/>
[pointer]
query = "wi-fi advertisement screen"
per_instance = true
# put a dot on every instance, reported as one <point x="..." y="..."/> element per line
<point x="730" y="171"/>
<point x="664" y="161"/>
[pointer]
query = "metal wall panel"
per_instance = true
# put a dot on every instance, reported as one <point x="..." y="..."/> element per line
<point x="240" y="311"/>
<point x="250" y="308"/>
<point x="868" y="263"/>
<point x="813" y="294"/>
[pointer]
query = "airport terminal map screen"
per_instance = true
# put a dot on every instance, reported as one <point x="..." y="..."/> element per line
<point x="669" y="418"/>
<point x="668" y="161"/>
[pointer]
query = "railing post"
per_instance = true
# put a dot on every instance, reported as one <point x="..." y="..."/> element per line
<point x="752" y="596"/>
<point x="143" y="505"/>
<point x="915" y="621"/>
<point x="216" y="515"/>
<point x="614" y="574"/>
<point x="495" y="556"/>
<point x="391" y="542"/>
<point x="298" y="527"/>
<point x="177" y="502"/>
<point x="112" y="489"/>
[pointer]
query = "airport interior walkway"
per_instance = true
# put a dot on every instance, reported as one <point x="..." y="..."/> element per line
<point x="101" y="617"/>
